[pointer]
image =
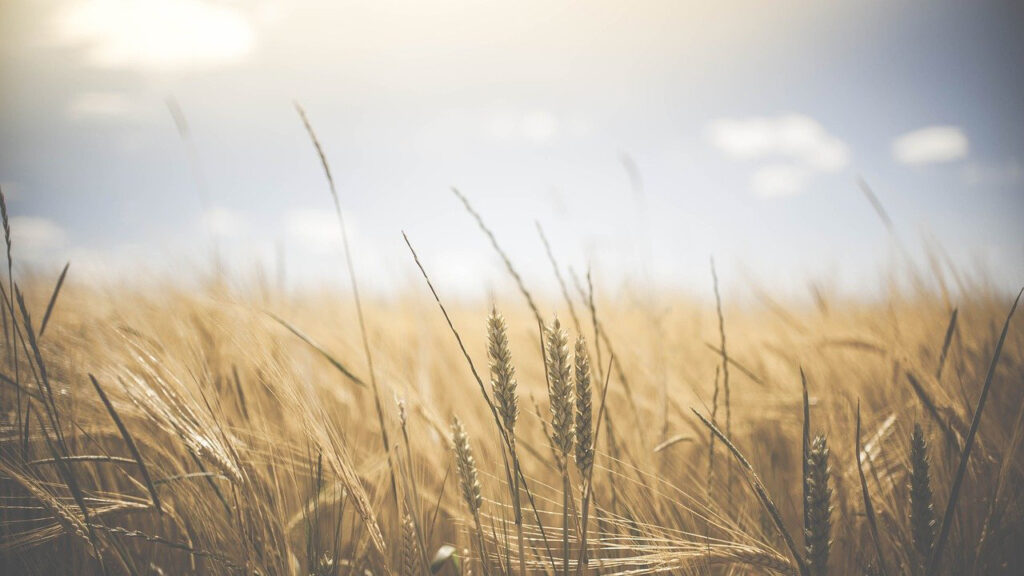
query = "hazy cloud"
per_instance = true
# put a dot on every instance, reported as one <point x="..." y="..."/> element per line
<point x="112" y="264"/>
<point x="223" y="223"/>
<point x="794" y="137"/>
<point x="930" y="145"/>
<point x="106" y="105"/>
<point x="800" y="141"/>
<point x="316" y="231"/>
<point x="537" y="127"/>
<point x="155" y="34"/>
<point x="34" y="237"/>
<point x="778" y="180"/>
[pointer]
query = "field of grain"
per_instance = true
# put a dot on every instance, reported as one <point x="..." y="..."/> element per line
<point x="166" y="430"/>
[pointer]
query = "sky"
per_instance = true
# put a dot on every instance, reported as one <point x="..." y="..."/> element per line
<point x="138" y="137"/>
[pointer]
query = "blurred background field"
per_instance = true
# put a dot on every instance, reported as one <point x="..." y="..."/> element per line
<point x="242" y="422"/>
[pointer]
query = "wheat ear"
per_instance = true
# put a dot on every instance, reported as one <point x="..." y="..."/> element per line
<point x="469" y="481"/>
<point x="818" y="507"/>
<point x="503" y="373"/>
<point x="562" y="433"/>
<point x="584" y="409"/>
<point x="561" y="392"/>
<point x="504" y="386"/>
<point x="922" y="514"/>
<point x="410" y="552"/>
<point x="584" y="435"/>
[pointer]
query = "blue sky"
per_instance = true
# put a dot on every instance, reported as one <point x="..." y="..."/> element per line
<point x="747" y="127"/>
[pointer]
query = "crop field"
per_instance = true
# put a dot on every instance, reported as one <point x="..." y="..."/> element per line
<point x="219" y="430"/>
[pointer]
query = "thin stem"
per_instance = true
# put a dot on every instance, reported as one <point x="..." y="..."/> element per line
<point x="565" y="519"/>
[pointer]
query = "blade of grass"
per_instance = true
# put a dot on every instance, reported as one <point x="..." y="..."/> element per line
<point x="952" y="437"/>
<point x="84" y="458"/>
<point x="53" y="299"/>
<point x="806" y="447"/>
<point x="76" y="491"/>
<point x="129" y="442"/>
<point x="737" y="365"/>
<point x="581" y="564"/>
<point x="559" y="277"/>
<point x="994" y="514"/>
<point x="377" y="403"/>
<point x="8" y="300"/>
<point x="327" y="356"/>
<point x="961" y="472"/>
<point x="762" y="494"/>
<point x="440" y="495"/>
<point x="725" y="354"/>
<point x="869" y="510"/>
<point x="672" y="441"/>
<point x="877" y="205"/>
<point x="950" y="329"/>
<point x="43" y="379"/>
<point x="24" y="437"/>
<point x="508" y="263"/>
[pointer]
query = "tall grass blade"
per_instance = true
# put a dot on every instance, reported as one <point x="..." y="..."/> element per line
<point x="950" y="330"/>
<point x="53" y="299"/>
<point x="504" y="257"/>
<point x="377" y="403"/>
<point x="869" y="510"/>
<point x="323" y="352"/>
<point x="129" y="441"/>
<point x="762" y="495"/>
<point x="961" y="472"/>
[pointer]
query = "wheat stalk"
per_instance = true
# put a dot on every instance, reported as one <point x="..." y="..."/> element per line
<point x="954" y="492"/>
<point x="465" y="464"/>
<point x="725" y="367"/>
<point x="410" y="551"/>
<point x="562" y="432"/>
<point x="503" y="373"/>
<point x="469" y="481"/>
<point x="584" y="430"/>
<point x="584" y="409"/>
<point x="504" y="386"/>
<point x="818" y="507"/>
<point x="561" y="393"/>
<point x="922" y="514"/>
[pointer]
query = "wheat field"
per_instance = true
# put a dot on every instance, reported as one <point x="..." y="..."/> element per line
<point x="219" y="430"/>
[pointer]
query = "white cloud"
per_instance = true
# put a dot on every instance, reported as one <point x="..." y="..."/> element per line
<point x="793" y="137"/>
<point x="789" y="149"/>
<point x="316" y="231"/>
<point x="35" y="234"/>
<point x="113" y="264"/>
<point x="105" y="105"/>
<point x="223" y="223"/>
<point x="538" y="127"/>
<point x="778" y="180"/>
<point x="930" y="145"/>
<point x="155" y="34"/>
<point x="313" y="242"/>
